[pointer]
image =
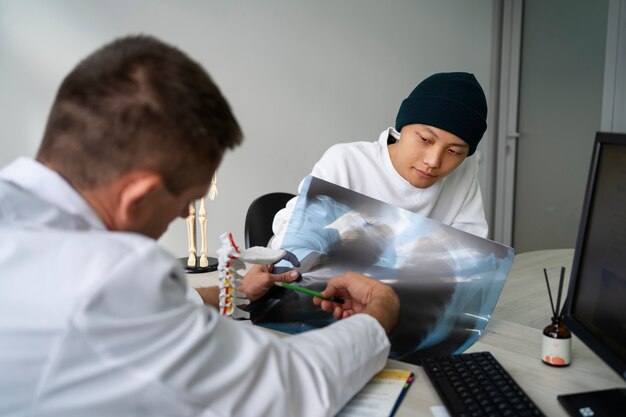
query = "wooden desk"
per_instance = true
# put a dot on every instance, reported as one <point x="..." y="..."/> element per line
<point x="513" y="336"/>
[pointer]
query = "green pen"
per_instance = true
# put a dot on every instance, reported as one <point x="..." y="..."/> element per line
<point x="298" y="288"/>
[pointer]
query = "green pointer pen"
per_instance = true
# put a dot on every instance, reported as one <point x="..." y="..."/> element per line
<point x="298" y="288"/>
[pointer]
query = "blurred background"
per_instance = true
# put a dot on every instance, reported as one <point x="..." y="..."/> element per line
<point x="301" y="76"/>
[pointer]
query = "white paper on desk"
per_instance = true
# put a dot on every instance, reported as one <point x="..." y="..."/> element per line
<point x="378" y="397"/>
<point x="439" y="411"/>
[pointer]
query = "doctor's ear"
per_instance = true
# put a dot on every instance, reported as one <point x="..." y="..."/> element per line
<point x="137" y="196"/>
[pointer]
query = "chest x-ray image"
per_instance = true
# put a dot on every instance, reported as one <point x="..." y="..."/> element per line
<point x="448" y="281"/>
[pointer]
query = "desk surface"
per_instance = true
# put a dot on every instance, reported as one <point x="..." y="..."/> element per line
<point x="513" y="336"/>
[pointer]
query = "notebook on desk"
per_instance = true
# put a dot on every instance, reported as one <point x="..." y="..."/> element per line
<point x="381" y="396"/>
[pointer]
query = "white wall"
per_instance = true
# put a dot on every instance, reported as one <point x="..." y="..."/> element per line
<point x="299" y="75"/>
<point x="614" y="92"/>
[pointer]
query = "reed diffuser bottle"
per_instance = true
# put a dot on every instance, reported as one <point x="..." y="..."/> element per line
<point x="557" y="339"/>
<point x="557" y="343"/>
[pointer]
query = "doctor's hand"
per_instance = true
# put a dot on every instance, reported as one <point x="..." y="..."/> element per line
<point x="361" y="295"/>
<point x="259" y="279"/>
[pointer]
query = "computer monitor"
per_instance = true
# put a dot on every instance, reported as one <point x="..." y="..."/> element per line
<point x="595" y="310"/>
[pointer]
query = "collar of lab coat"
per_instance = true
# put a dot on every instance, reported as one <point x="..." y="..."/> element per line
<point x="48" y="185"/>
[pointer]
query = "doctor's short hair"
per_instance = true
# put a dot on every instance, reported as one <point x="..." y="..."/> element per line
<point x="138" y="103"/>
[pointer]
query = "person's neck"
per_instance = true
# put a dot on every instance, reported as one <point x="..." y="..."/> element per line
<point x="392" y="148"/>
<point x="103" y="200"/>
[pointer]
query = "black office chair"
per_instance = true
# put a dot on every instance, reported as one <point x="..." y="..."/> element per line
<point x="258" y="227"/>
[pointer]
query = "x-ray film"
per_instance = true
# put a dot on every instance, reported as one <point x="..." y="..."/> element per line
<point x="448" y="281"/>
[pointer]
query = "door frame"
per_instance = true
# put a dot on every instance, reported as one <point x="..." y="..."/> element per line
<point x="506" y="95"/>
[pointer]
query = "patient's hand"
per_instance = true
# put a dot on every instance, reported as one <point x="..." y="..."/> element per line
<point x="259" y="279"/>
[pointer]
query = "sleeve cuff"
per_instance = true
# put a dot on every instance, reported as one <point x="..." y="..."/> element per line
<point x="193" y="296"/>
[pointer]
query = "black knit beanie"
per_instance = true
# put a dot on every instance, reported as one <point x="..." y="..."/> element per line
<point x="452" y="101"/>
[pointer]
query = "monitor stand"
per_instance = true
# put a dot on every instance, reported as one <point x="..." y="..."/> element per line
<point x="604" y="403"/>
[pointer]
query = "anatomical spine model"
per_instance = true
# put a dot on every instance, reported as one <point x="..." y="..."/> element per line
<point x="231" y="260"/>
<point x="228" y="267"/>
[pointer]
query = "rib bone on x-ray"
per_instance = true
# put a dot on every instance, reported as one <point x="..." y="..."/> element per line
<point x="448" y="281"/>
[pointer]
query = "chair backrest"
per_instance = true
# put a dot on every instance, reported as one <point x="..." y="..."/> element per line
<point x="258" y="227"/>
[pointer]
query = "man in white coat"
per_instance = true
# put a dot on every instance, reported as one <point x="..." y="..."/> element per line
<point x="95" y="318"/>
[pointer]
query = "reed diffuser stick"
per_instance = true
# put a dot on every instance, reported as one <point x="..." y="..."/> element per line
<point x="558" y="297"/>
<point x="545" y="274"/>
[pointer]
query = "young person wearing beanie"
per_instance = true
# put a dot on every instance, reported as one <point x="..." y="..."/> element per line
<point x="422" y="164"/>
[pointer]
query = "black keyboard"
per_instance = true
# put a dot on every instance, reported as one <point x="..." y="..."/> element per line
<point x="476" y="384"/>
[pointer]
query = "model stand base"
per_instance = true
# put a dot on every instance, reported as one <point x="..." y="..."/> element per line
<point x="198" y="269"/>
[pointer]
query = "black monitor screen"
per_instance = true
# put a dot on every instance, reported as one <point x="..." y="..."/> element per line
<point x="596" y="307"/>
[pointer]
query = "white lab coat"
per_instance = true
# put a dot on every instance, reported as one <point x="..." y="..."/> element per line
<point x="98" y="323"/>
<point x="366" y="167"/>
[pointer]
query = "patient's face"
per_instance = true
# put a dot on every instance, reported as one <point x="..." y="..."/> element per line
<point x="425" y="154"/>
